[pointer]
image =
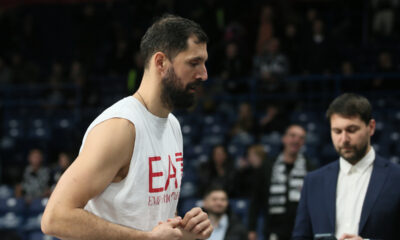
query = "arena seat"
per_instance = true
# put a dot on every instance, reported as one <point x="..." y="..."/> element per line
<point x="32" y="223"/>
<point x="14" y="126"/>
<point x="11" y="220"/>
<point x="240" y="207"/>
<point x="189" y="203"/>
<point x="14" y="205"/>
<point x="37" y="206"/>
<point x="38" y="235"/>
<point x="6" y="192"/>
<point x="39" y="128"/>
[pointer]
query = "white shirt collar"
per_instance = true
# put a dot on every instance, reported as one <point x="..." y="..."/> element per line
<point x="223" y="222"/>
<point x="361" y="166"/>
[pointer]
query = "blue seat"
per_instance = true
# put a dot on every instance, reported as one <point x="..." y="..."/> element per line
<point x="63" y="122"/>
<point x="15" y="205"/>
<point x="212" y="139"/>
<point x="240" y="207"/>
<point x="39" y="128"/>
<point x="272" y="149"/>
<point x="6" y="192"/>
<point x="32" y="223"/>
<point x="272" y="138"/>
<point x="11" y="220"/>
<point x="38" y="235"/>
<point x="37" y="206"/>
<point x="14" y="127"/>
<point x="188" y="188"/>
<point x="189" y="203"/>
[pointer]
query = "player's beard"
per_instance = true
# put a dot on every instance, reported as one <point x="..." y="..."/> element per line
<point x="358" y="152"/>
<point x="173" y="94"/>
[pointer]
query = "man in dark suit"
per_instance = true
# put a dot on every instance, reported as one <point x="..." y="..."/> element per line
<point x="358" y="196"/>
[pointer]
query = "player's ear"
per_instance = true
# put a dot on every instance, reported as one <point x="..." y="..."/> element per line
<point x="371" y="127"/>
<point x="160" y="61"/>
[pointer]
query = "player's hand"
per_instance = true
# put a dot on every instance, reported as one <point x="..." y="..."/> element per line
<point x="196" y="224"/>
<point x="350" y="237"/>
<point x="167" y="230"/>
<point x="252" y="235"/>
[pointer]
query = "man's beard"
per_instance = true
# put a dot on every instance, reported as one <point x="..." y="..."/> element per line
<point x="357" y="153"/>
<point x="174" y="95"/>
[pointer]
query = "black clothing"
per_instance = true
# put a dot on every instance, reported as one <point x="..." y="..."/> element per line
<point x="280" y="224"/>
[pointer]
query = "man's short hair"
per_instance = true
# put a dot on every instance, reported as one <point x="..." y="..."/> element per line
<point x="169" y="35"/>
<point x="294" y="125"/>
<point x="214" y="188"/>
<point x="351" y="105"/>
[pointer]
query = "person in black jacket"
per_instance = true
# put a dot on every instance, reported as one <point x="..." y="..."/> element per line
<point x="278" y="186"/>
<point x="226" y="224"/>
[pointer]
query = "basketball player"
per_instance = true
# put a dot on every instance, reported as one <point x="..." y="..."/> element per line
<point x="125" y="183"/>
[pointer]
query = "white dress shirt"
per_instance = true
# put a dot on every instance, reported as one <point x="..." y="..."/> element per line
<point x="350" y="193"/>
<point x="220" y="230"/>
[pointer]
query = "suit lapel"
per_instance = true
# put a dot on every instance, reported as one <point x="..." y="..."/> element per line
<point x="378" y="177"/>
<point x="330" y="194"/>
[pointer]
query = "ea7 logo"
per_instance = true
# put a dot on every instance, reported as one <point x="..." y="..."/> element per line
<point x="171" y="178"/>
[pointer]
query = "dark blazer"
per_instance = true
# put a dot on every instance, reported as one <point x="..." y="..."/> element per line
<point x="236" y="230"/>
<point x="380" y="215"/>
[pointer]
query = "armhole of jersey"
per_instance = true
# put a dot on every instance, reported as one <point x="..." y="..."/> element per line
<point x="120" y="116"/>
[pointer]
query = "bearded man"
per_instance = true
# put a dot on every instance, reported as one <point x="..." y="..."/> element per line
<point x="125" y="183"/>
<point x="358" y="196"/>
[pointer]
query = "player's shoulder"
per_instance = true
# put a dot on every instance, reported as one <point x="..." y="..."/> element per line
<point x="114" y="128"/>
<point x="174" y="120"/>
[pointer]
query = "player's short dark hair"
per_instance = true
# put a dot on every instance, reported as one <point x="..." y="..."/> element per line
<point x="169" y="34"/>
<point x="351" y="105"/>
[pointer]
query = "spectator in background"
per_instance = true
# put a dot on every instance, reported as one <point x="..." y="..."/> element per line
<point x="244" y="124"/>
<point x="89" y="32"/>
<point x="271" y="66"/>
<point x="248" y="167"/>
<point x="5" y="72"/>
<point x="218" y="170"/>
<point x="226" y="224"/>
<point x="273" y="119"/>
<point x="384" y="65"/>
<point x="347" y="68"/>
<point x="57" y="78"/>
<point x="317" y="55"/>
<point x="233" y="70"/>
<point x="266" y="29"/>
<point x="384" y="14"/>
<point x="311" y="17"/>
<point x="63" y="162"/>
<point x="77" y="75"/>
<point x="135" y="73"/>
<point x="35" y="181"/>
<point x="23" y="71"/>
<point x="57" y="75"/>
<point x="121" y="59"/>
<point x="278" y="187"/>
<point x="291" y="45"/>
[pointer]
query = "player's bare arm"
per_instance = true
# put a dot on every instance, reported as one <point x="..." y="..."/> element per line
<point x="104" y="159"/>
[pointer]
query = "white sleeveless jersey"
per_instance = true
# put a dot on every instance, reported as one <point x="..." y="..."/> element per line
<point x="150" y="191"/>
